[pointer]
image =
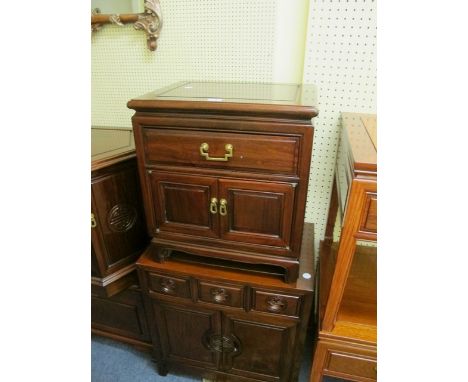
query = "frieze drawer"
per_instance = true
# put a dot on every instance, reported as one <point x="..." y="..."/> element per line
<point x="276" y="303"/>
<point x="222" y="294"/>
<point x="173" y="286"/>
<point x="236" y="151"/>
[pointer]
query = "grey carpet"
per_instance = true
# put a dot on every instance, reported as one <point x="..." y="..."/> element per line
<point x="113" y="361"/>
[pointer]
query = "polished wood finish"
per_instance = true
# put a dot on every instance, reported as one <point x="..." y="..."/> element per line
<point x="227" y="324"/>
<point x="347" y="332"/>
<point x="118" y="236"/>
<point x="248" y="207"/>
<point x="175" y="147"/>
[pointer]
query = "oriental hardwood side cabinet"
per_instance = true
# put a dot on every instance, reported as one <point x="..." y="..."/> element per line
<point x="118" y="237"/>
<point x="347" y="330"/>
<point x="227" y="324"/>
<point x="224" y="170"/>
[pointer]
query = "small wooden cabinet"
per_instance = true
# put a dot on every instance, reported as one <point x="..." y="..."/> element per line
<point x="227" y="324"/>
<point x="224" y="168"/>
<point x="118" y="237"/>
<point x="347" y="336"/>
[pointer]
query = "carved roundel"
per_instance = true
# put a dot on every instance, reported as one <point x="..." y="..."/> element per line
<point x="121" y="217"/>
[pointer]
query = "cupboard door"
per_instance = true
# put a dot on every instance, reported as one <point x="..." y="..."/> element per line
<point x="185" y="333"/>
<point x="183" y="204"/>
<point x="265" y="346"/>
<point x="119" y="233"/>
<point x="256" y="212"/>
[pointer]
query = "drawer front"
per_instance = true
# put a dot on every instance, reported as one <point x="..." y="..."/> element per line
<point x="250" y="152"/>
<point x="271" y="302"/>
<point x="222" y="294"/>
<point x="173" y="286"/>
<point x="352" y="364"/>
<point x="369" y="217"/>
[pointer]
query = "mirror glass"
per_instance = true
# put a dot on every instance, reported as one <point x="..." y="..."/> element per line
<point x="121" y="7"/>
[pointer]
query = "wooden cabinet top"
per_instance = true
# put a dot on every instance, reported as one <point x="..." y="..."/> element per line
<point x="109" y="146"/>
<point x="360" y="141"/>
<point x="280" y="100"/>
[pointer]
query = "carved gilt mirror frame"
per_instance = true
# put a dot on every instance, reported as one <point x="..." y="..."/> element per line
<point x="149" y="21"/>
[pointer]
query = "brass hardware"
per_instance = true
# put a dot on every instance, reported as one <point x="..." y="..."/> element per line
<point x="223" y="207"/>
<point x="221" y="344"/>
<point x="276" y="304"/>
<point x="167" y="285"/>
<point x="93" y="221"/>
<point x="214" y="206"/>
<point x="219" y="294"/>
<point x="204" y="152"/>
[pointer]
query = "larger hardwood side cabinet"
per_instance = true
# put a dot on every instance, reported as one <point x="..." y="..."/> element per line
<point x="227" y="324"/>
<point x="118" y="237"/>
<point x="347" y="335"/>
<point x="224" y="169"/>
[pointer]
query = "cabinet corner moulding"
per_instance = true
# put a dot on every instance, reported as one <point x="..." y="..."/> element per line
<point x="150" y="21"/>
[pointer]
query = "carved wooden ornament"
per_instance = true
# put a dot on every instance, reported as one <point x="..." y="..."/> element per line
<point x="149" y="21"/>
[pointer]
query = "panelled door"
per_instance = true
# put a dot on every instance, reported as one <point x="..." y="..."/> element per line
<point x="182" y="203"/>
<point x="118" y="232"/>
<point x="245" y="211"/>
<point x="186" y="333"/>
<point x="266" y="345"/>
<point x="256" y="212"/>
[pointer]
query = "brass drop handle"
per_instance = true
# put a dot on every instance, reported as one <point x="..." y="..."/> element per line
<point x="204" y="152"/>
<point x="223" y="207"/>
<point x="214" y="206"/>
<point x="93" y="221"/>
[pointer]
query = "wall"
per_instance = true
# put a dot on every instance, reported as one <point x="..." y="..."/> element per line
<point x="243" y="40"/>
<point x="328" y="43"/>
<point x="340" y="59"/>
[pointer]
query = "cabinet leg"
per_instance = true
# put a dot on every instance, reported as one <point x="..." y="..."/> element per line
<point x="291" y="274"/>
<point x="162" y="369"/>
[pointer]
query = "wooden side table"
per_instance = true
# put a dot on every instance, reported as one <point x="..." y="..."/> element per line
<point x="347" y="332"/>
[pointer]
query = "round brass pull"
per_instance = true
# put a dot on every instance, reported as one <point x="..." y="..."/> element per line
<point x="223" y="207"/>
<point x="276" y="304"/>
<point x="204" y="147"/>
<point x="219" y="294"/>
<point x="93" y="221"/>
<point x="221" y="344"/>
<point x="214" y="206"/>
<point x="167" y="285"/>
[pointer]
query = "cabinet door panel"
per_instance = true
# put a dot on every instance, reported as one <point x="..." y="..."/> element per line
<point x="257" y="212"/>
<point x="266" y="346"/>
<point x="183" y="331"/>
<point x="182" y="203"/>
<point x="120" y="232"/>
